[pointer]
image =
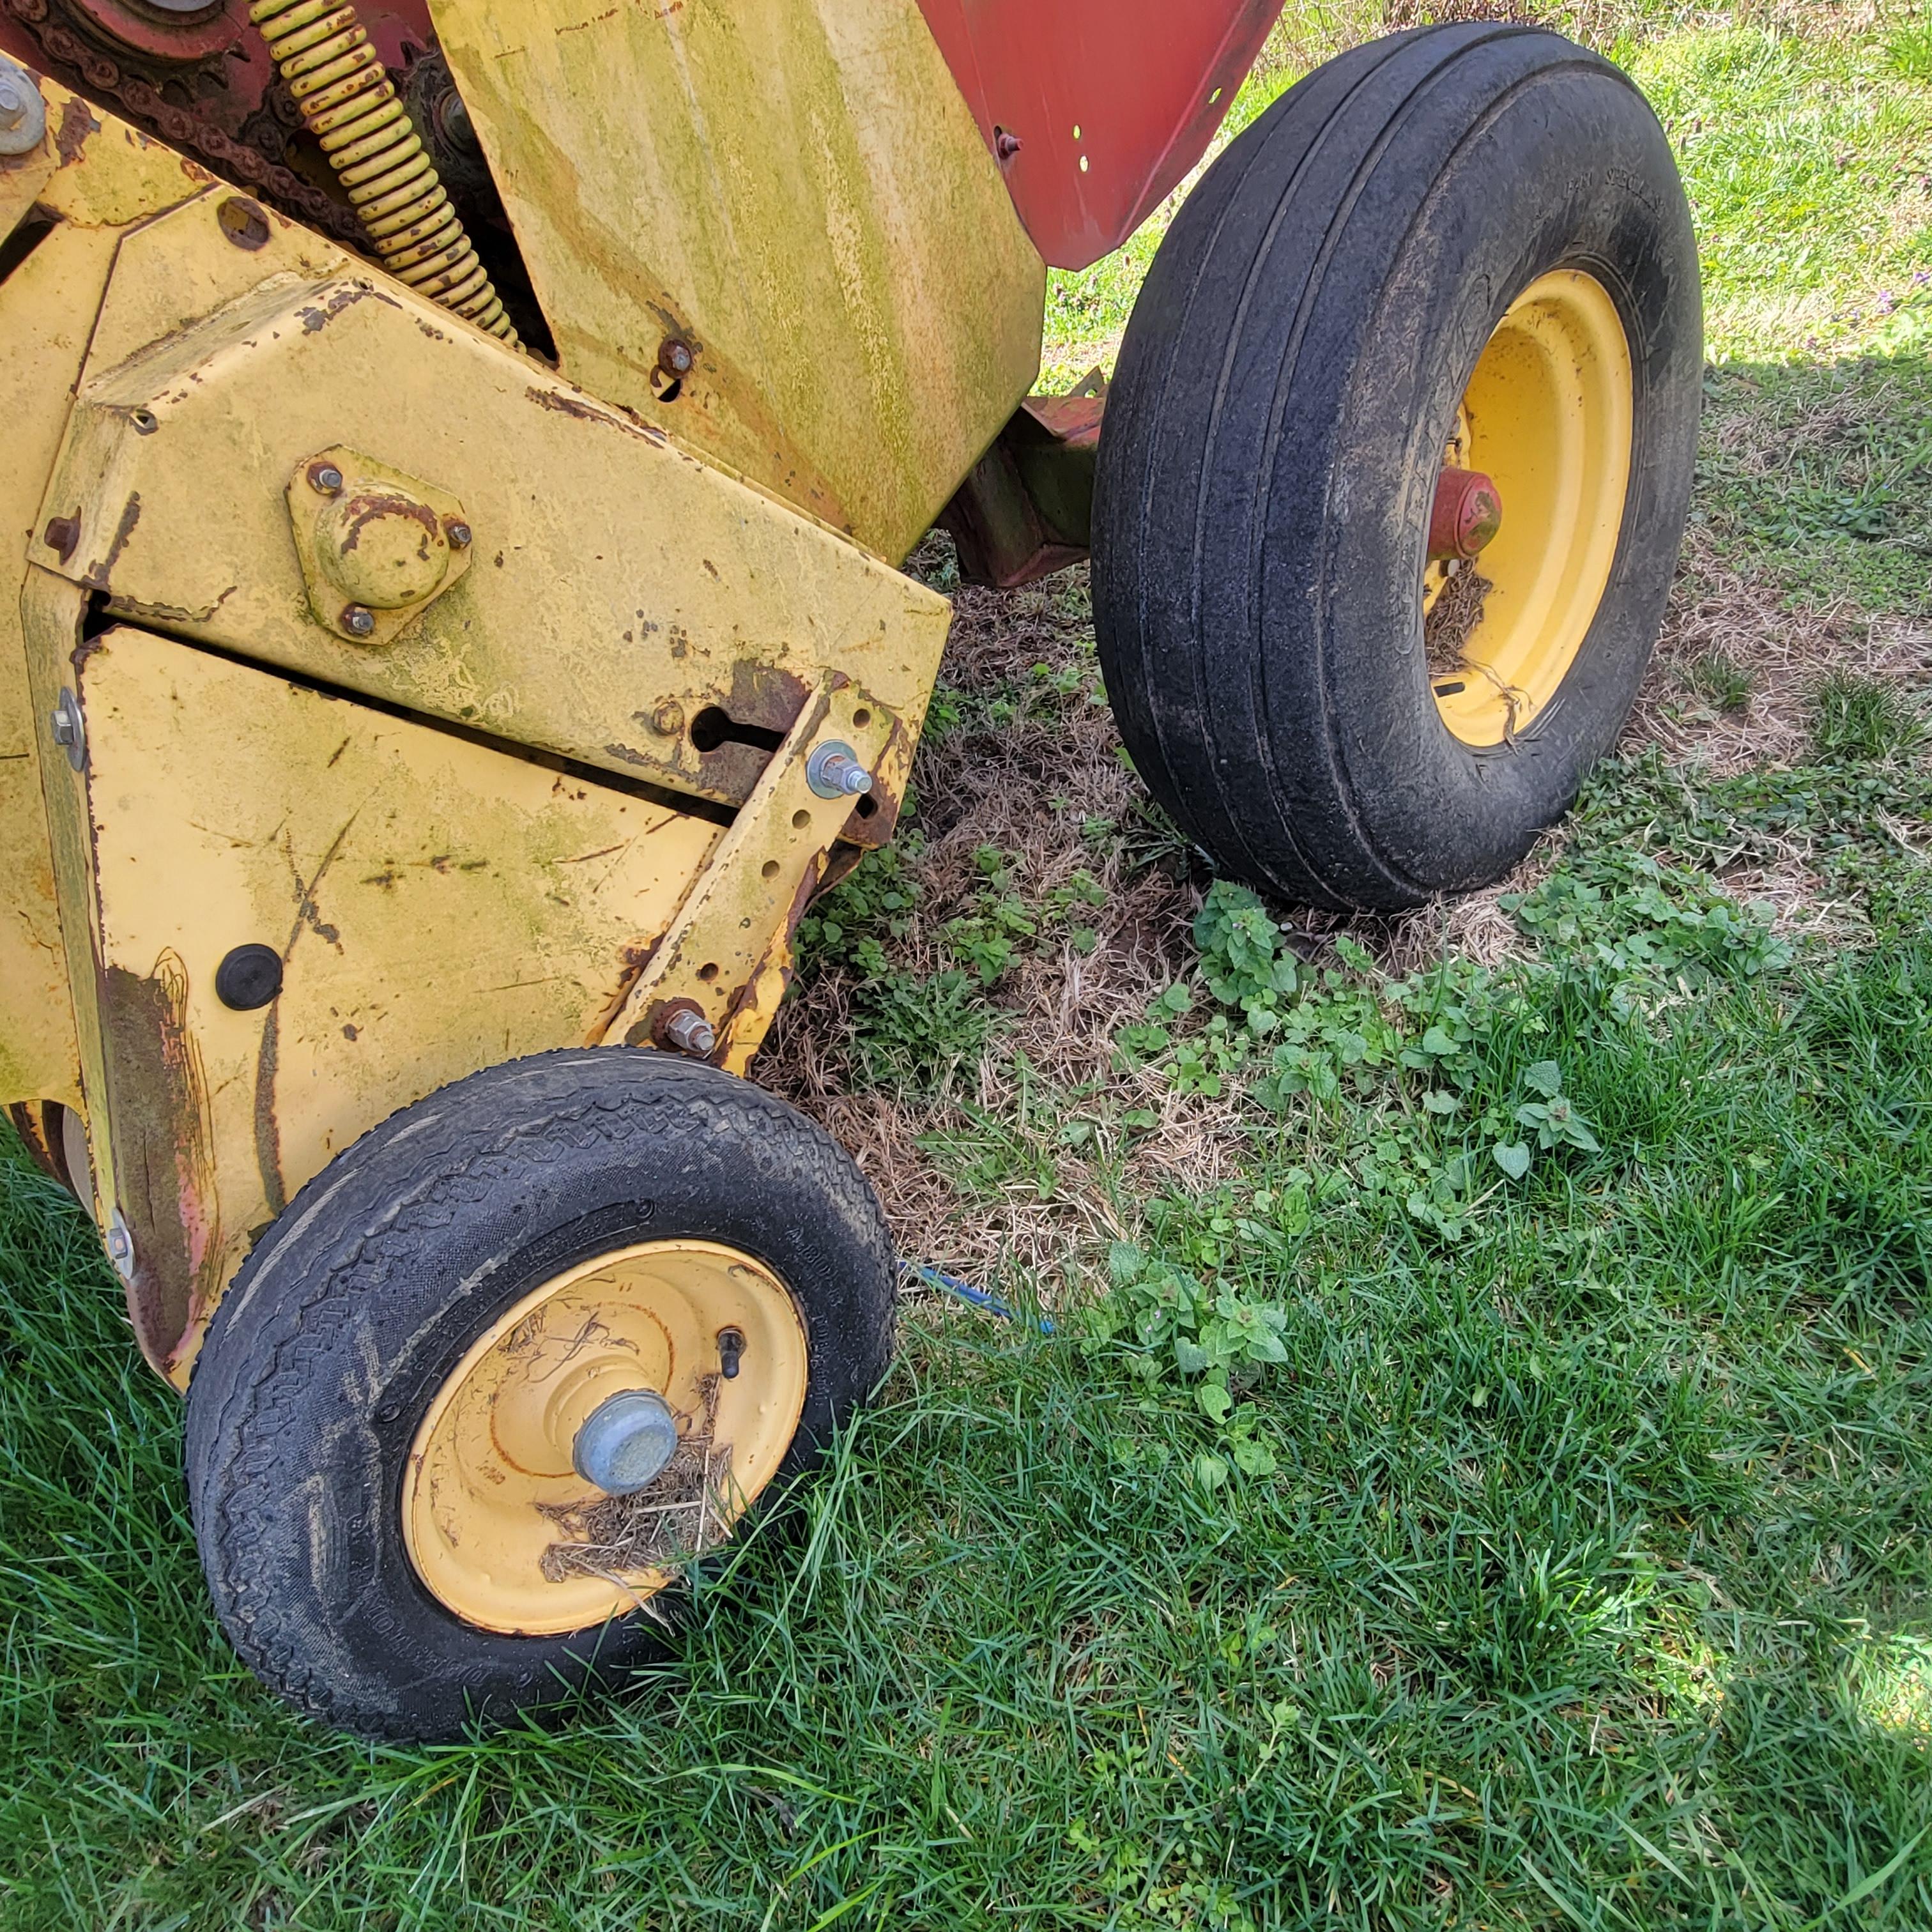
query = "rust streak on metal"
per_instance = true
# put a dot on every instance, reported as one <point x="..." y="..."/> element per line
<point x="586" y="411"/>
<point x="76" y="125"/>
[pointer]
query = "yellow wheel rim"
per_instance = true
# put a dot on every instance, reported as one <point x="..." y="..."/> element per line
<point x="500" y="1527"/>
<point x="1547" y="416"/>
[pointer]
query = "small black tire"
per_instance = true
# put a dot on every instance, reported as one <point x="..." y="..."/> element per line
<point x="1287" y="382"/>
<point x="353" y="1308"/>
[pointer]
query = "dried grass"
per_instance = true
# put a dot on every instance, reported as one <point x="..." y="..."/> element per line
<point x="1028" y="788"/>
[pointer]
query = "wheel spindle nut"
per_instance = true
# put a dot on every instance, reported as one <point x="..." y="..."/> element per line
<point x="690" y="1032"/>
<point x="833" y="771"/>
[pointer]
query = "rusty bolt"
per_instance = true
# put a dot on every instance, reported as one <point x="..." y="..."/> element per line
<point x="325" y="478"/>
<point x="359" y="621"/>
<point x="1005" y="146"/>
<point x="243" y="223"/>
<point x="1466" y="516"/>
<point x="459" y="535"/>
<point x="687" y="1030"/>
<point x="833" y="771"/>
<point x="667" y="720"/>
<point x="62" y="535"/>
<point x="675" y="357"/>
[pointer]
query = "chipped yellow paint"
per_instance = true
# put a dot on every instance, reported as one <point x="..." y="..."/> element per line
<point x="438" y="907"/>
<point x="753" y="895"/>
<point x="795" y="189"/>
<point x="577" y="789"/>
<point x="490" y="1489"/>
<point x="22" y="176"/>
<point x="91" y="172"/>
<point x="598" y="544"/>
<point x="376" y="541"/>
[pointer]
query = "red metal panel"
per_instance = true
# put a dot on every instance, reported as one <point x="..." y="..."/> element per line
<point x="1110" y="101"/>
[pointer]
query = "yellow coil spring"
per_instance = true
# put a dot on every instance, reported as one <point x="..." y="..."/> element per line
<point x="346" y="97"/>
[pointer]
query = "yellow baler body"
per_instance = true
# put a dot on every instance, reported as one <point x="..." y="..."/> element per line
<point x="560" y="787"/>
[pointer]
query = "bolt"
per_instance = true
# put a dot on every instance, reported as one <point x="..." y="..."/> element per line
<point x="70" y="729"/>
<point x="459" y="536"/>
<point x="674" y="356"/>
<point x="1005" y="146"/>
<point x="690" y="1032"/>
<point x="626" y="1442"/>
<point x="120" y="1244"/>
<point x="358" y="621"/>
<point x="833" y="771"/>
<point x="23" y="114"/>
<point x="667" y="720"/>
<point x="730" y="1352"/>
<point x="324" y="478"/>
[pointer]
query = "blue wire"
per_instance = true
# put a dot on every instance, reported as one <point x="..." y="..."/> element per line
<point x="966" y="1291"/>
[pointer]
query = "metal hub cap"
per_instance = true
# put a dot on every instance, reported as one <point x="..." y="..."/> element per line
<point x="1546" y="419"/>
<point x="627" y="1443"/>
<point x="589" y="1440"/>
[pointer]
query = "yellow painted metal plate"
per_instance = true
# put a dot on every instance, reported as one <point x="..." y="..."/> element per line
<point x="1548" y="413"/>
<point x="795" y="190"/>
<point x="500" y="1526"/>
<point x="438" y="907"/>
<point x="620" y="592"/>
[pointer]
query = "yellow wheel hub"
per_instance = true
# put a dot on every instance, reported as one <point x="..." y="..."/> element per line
<point x="502" y="1529"/>
<point x="1547" y="415"/>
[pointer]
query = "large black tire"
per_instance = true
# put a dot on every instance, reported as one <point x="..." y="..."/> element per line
<point x="1285" y="389"/>
<point x="352" y="1310"/>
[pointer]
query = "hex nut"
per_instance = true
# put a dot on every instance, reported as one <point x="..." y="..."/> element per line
<point x="23" y="114"/>
<point x="833" y="771"/>
<point x="358" y="621"/>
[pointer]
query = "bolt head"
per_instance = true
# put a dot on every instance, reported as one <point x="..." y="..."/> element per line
<point x="674" y="356"/>
<point x="325" y="477"/>
<point x="23" y="114"/>
<point x="460" y="535"/>
<point x="627" y="1442"/>
<point x="358" y="622"/>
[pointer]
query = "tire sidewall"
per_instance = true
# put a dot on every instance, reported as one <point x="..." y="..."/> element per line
<point x="1572" y="178"/>
<point x="478" y="1226"/>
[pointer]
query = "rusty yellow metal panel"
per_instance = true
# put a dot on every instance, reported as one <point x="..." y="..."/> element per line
<point x="91" y="173"/>
<point x="436" y="906"/>
<point x="795" y="191"/>
<point x="620" y="590"/>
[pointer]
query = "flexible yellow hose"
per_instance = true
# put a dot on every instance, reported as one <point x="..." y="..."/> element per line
<point x="346" y="97"/>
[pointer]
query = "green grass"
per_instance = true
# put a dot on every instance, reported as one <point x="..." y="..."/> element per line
<point x="1501" y="1500"/>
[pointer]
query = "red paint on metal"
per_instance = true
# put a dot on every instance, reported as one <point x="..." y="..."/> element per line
<point x="1466" y="516"/>
<point x="1110" y="102"/>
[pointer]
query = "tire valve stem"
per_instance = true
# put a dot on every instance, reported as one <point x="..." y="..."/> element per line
<point x="323" y="52"/>
<point x="730" y="1352"/>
